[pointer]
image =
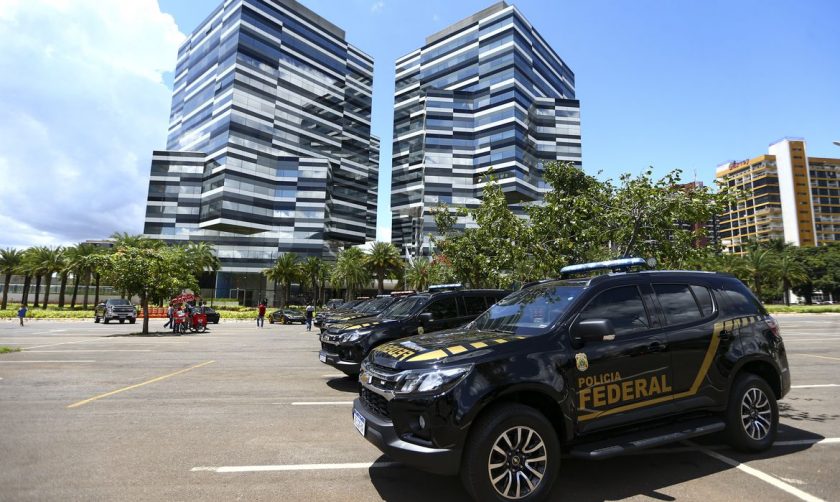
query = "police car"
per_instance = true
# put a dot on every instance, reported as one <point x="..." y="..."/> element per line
<point x="344" y="345"/>
<point x="598" y="365"/>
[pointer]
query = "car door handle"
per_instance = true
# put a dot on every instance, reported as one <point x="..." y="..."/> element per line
<point x="657" y="347"/>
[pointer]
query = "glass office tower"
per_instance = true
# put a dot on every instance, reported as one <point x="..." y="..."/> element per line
<point x="485" y="94"/>
<point x="269" y="148"/>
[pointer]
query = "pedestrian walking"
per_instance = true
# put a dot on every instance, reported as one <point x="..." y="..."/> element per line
<point x="261" y="315"/>
<point x="310" y="311"/>
<point x="170" y="312"/>
<point x="22" y="313"/>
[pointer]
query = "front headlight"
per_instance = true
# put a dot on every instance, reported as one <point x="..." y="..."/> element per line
<point x="354" y="335"/>
<point x="431" y="380"/>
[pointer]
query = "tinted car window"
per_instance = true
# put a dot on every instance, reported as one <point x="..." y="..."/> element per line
<point x="622" y="306"/>
<point x="475" y="304"/>
<point x="118" y="301"/>
<point x="744" y="302"/>
<point x="444" y="308"/>
<point x="677" y="303"/>
<point x="704" y="299"/>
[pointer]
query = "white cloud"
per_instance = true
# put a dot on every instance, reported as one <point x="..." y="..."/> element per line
<point x="83" y="105"/>
<point x="377" y="6"/>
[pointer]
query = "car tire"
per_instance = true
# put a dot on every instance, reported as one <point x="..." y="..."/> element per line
<point x="96" y="319"/>
<point x="132" y="321"/>
<point x="270" y="319"/>
<point x="531" y="459"/>
<point x="752" y="418"/>
<point x="122" y="321"/>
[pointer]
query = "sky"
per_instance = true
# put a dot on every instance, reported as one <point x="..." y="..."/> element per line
<point x="86" y="90"/>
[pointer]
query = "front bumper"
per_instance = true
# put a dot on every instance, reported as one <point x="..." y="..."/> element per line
<point x="381" y="433"/>
<point x="333" y="359"/>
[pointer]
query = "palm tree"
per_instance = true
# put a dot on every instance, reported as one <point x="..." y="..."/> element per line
<point x="204" y="259"/>
<point x="418" y="274"/>
<point x="760" y="264"/>
<point x="324" y="275"/>
<point x="10" y="260"/>
<point x="124" y="239"/>
<point x="285" y="271"/>
<point x="791" y="271"/>
<point x="25" y="269"/>
<point x="311" y="271"/>
<point x="63" y="275"/>
<point x="350" y="271"/>
<point x="35" y="263"/>
<point x="382" y="259"/>
<point x="52" y="262"/>
<point x="75" y="264"/>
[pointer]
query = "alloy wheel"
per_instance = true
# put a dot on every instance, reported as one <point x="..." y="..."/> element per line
<point x="517" y="462"/>
<point x="756" y="414"/>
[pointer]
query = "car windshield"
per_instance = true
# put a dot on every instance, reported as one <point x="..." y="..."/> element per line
<point x="405" y="307"/>
<point x="531" y="311"/>
<point x="119" y="302"/>
<point x="377" y="306"/>
<point x="360" y="307"/>
<point x="291" y="312"/>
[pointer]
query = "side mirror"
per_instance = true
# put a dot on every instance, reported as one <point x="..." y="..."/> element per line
<point x="592" y="330"/>
<point x="425" y="318"/>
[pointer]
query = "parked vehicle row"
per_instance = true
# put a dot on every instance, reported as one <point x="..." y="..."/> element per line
<point x="493" y="387"/>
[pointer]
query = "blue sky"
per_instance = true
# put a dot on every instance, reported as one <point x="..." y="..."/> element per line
<point x="671" y="84"/>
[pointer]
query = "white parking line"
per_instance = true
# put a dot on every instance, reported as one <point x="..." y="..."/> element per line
<point x="814" y="386"/>
<point x="799" y="442"/>
<point x="51" y="361"/>
<point x="293" y="467"/>
<point x="55" y="344"/>
<point x="85" y="350"/>
<point x="337" y="375"/>
<point x="767" y="478"/>
<point x="319" y="403"/>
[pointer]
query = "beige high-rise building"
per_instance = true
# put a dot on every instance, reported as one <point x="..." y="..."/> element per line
<point x="788" y="195"/>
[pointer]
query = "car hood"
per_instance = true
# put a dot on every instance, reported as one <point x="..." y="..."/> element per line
<point x="359" y="323"/>
<point x="429" y="349"/>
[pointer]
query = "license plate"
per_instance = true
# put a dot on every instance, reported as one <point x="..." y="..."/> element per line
<point x="322" y="357"/>
<point x="359" y="422"/>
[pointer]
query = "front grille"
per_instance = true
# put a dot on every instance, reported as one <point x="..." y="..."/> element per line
<point x="375" y="403"/>
<point x="328" y="347"/>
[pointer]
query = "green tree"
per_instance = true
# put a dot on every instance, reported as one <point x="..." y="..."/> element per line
<point x="569" y="227"/>
<point x="26" y="270"/>
<point x="147" y="272"/>
<point x="419" y="273"/>
<point x="760" y="264"/>
<point x="124" y="239"/>
<point x="791" y="271"/>
<point x="659" y="218"/>
<point x="311" y="272"/>
<point x="489" y="253"/>
<point x="203" y="258"/>
<point x="350" y="272"/>
<point x="10" y="260"/>
<point x="285" y="271"/>
<point x="36" y="260"/>
<point x="51" y="263"/>
<point x="383" y="258"/>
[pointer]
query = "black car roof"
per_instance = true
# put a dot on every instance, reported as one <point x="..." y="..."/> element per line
<point x="617" y="276"/>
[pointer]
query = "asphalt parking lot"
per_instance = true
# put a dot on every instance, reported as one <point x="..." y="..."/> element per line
<point x="88" y="412"/>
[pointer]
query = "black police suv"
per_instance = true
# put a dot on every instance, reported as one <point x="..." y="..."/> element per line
<point x="370" y="308"/>
<point x="343" y="346"/>
<point x="599" y="366"/>
<point x="343" y="308"/>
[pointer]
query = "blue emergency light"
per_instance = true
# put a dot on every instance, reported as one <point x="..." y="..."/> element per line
<point x="619" y="265"/>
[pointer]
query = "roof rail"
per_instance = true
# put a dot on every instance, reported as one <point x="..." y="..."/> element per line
<point x="619" y="265"/>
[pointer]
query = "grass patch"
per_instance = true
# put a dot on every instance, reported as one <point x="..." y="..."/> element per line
<point x="48" y="314"/>
<point x="803" y="309"/>
<point x="6" y="350"/>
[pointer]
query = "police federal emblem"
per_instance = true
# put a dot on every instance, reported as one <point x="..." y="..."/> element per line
<point x="582" y="362"/>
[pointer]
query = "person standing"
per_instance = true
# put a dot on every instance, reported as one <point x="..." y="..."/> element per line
<point x="310" y="311"/>
<point x="22" y="313"/>
<point x="261" y="315"/>
<point x="170" y="312"/>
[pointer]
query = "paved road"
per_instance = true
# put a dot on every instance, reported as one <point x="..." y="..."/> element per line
<point x="90" y="413"/>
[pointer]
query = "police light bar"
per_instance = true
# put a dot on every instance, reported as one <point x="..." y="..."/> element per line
<point x="445" y="287"/>
<point x="613" y="265"/>
<point x="403" y="293"/>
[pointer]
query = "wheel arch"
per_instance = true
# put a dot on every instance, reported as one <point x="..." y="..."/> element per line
<point x="535" y="395"/>
<point x="764" y="369"/>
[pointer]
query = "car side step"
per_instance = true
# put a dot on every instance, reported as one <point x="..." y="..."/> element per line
<point x="647" y="439"/>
